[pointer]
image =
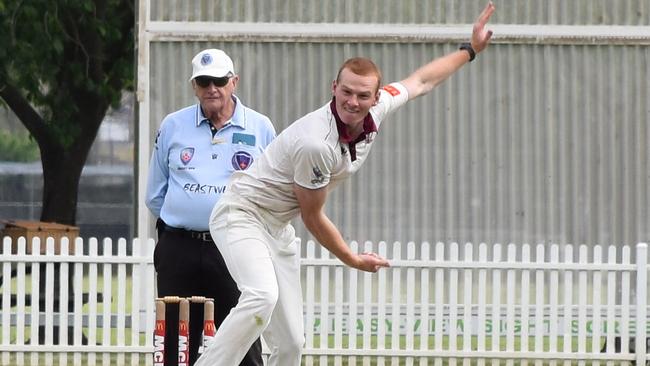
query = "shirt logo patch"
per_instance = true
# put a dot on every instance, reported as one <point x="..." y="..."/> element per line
<point x="318" y="176"/>
<point x="241" y="160"/>
<point x="186" y="155"/>
<point x="391" y="90"/>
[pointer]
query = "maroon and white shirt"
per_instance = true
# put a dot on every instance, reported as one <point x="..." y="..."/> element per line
<point x="311" y="153"/>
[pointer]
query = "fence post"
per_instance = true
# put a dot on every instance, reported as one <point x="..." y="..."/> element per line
<point x="641" y="302"/>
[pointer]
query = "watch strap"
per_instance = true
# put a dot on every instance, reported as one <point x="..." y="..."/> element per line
<point x="468" y="47"/>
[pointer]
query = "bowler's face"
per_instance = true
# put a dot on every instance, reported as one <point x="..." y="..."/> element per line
<point x="355" y="95"/>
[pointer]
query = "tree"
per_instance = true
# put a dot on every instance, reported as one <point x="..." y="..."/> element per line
<point x="63" y="63"/>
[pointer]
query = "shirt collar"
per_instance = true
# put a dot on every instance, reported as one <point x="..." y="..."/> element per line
<point x="369" y="126"/>
<point x="238" y="117"/>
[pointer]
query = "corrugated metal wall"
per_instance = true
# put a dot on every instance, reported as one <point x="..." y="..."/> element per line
<point x="571" y="12"/>
<point x="529" y="143"/>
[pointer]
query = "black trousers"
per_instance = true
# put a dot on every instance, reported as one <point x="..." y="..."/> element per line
<point x="194" y="267"/>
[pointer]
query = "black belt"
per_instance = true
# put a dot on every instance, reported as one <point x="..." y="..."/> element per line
<point x="200" y="235"/>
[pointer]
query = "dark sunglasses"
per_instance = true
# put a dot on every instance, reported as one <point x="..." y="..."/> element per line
<point x="205" y="81"/>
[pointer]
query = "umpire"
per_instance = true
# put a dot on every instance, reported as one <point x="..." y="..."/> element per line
<point x="196" y="151"/>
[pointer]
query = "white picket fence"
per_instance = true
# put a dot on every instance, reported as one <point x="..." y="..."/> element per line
<point x="109" y="315"/>
<point x="450" y="304"/>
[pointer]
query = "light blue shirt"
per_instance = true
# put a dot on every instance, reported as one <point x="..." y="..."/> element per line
<point x="190" y="169"/>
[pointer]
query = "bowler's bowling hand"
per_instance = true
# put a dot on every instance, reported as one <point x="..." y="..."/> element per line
<point x="371" y="262"/>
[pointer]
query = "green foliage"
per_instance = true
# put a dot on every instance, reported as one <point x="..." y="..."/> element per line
<point x="60" y="53"/>
<point x="63" y="63"/>
<point x="17" y="148"/>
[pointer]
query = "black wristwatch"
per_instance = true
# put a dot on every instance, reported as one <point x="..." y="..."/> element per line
<point x="468" y="47"/>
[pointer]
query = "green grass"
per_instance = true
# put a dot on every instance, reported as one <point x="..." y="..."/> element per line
<point x="330" y="360"/>
<point x="374" y="360"/>
<point x="459" y="343"/>
<point x="85" y="359"/>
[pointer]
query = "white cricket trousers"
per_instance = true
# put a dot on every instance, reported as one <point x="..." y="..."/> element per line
<point x="264" y="262"/>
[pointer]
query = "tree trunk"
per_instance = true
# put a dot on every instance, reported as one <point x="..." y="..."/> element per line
<point x="61" y="174"/>
<point x="62" y="165"/>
